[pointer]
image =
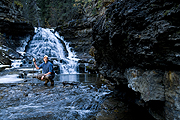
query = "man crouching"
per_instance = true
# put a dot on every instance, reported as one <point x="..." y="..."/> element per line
<point x="47" y="70"/>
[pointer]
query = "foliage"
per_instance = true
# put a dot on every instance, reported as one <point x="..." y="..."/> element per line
<point x="31" y="11"/>
<point x="18" y="3"/>
<point x="51" y="13"/>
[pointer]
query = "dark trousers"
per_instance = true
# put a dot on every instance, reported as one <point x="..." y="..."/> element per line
<point x="48" y="78"/>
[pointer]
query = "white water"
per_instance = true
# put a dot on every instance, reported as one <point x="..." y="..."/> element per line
<point x="45" y="42"/>
<point x="24" y="43"/>
<point x="29" y="100"/>
<point x="10" y="78"/>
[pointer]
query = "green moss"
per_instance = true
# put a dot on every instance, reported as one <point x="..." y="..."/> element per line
<point x="62" y="28"/>
<point x="94" y="12"/>
<point x="99" y="4"/>
<point x="152" y="5"/>
<point x="88" y="67"/>
<point x="178" y="32"/>
<point x="167" y="11"/>
<point x="107" y="26"/>
<point x="18" y="4"/>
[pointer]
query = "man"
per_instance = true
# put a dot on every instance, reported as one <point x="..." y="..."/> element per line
<point x="48" y="72"/>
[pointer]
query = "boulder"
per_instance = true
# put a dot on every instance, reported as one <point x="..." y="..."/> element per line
<point x="6" y="54"/>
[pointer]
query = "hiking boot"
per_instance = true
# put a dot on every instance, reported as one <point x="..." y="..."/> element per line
<point x="52" y="83"/>
<point x="46" y="82"/>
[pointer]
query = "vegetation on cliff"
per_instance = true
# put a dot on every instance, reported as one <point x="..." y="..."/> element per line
<point x="48" y="13"/>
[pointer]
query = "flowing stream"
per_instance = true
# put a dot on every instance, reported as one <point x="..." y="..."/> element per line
<point x="74" y="97"/>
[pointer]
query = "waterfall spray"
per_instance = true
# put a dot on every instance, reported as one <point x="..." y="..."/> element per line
<point x="45" y="41"/>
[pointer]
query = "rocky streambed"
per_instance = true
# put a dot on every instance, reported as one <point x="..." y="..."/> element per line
<point x="30" y="99"/>
<point x="74" y="97"/>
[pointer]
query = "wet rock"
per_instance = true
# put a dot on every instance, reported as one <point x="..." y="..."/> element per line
<point x="149" y="84"/>
<point x="35" y="101"/>
<point x="91" y="68"/>
<point x="13" y="30"/>
<point x="87" y="66"/>
<point x="114" y="109"/>
<point x="25" y="80"/>
<point x="6" y="54"/>
<point x="56" y="68"/>
<point x="65" y="83"/>
<point x="141" y="35"/>
<point x="81" y="67"/>
<point x="22" y="74"/>
<point x="138" y="36"/>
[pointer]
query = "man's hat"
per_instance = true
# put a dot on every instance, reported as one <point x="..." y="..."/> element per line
<point x="46" y="56"/>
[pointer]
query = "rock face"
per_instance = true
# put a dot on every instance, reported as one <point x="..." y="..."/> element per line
<point x="137" y="45"/>
<point x="13" y="28"/>
<point x="144" y="34"/>
<point x="148" y="83"/>
<point x="114" y="109"/>
<point x="11" y="20"/>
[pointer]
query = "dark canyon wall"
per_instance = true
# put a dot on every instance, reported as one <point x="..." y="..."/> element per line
<point x="137" y="45"/>
<point x="13" y="28"/>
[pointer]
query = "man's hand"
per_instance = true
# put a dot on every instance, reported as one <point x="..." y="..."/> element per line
<point x="34" y="60"/>
<point x="42" y="77"/>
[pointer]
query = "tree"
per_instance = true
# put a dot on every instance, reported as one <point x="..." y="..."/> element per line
<point x="31" y="11"/>
<point x="50" y="13"/>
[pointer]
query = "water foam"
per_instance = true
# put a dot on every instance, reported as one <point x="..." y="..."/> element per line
<point x="46" y="42"/>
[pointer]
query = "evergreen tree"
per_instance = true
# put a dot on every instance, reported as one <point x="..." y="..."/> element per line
<point x="31" y="11"/>
<point x="50" y="13"/>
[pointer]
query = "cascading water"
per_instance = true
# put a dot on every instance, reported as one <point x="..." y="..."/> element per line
<point x="46" y="42"/>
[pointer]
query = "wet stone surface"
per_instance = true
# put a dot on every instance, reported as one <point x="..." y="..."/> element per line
<point x="27" y="100"/>
<point x="115" y="109"/>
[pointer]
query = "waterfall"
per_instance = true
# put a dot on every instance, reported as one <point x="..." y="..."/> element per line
<point x="48" y="42"/>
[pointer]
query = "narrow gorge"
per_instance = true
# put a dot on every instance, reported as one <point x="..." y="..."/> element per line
<point x="122" y="56"/>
